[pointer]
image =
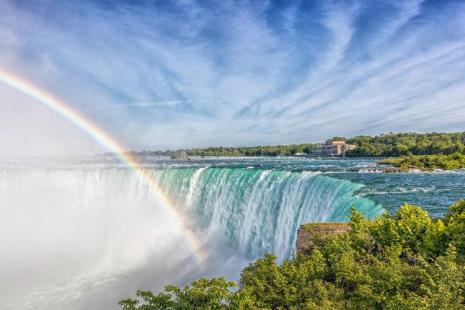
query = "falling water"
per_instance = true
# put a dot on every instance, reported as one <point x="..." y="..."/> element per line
<point x="258" y="210"/>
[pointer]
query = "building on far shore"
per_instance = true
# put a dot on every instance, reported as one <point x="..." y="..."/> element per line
<point x="333" y="148"/>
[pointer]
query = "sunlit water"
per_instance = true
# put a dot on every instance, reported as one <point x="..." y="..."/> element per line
<point x="82" y="233"/>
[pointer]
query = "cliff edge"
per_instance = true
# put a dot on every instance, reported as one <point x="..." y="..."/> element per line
<point x="312" y="235"/>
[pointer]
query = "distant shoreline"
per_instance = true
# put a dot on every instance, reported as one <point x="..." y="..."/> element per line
<point x="381" y="146"/>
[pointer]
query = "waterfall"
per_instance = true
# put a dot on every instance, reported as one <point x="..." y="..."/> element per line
<point x="259" y="211"/>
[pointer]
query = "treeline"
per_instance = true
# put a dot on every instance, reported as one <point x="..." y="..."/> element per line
<point x="405" y="261"/>
<point x="404" y="144"/>
<point x="427" y="162"/>
<point x="384" y="145"/>
<point x="273" y="150"/>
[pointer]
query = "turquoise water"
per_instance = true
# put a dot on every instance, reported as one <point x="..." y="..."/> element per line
<point x="258" y="203"/>
<point x="259" y="210"/>
<point x="433" y="191"/>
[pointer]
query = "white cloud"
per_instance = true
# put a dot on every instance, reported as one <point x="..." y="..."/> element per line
<point x="190" y="73"/>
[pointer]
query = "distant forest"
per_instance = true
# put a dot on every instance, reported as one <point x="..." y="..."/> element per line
<point x="384" y="145"/>
<point x="272" y="150"/>
<point x="401" y="144"/>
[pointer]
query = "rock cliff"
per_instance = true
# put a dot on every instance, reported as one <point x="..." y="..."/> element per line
<point x="312" y="235"/>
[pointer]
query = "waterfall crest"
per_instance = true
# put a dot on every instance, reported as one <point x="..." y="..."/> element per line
<point x="258" y="210"/>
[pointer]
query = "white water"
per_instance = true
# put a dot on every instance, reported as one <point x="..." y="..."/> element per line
<point x="68" y="236"/>
<point x="260" y="210"/>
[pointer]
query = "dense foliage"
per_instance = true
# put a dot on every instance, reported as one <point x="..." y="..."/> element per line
<point x="273" y="150"/>
<point x="427" y="162"/>
<point x="400" y="144"/>
<point x="405" y="261"/>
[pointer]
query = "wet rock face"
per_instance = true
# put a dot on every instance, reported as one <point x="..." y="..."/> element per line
<point x="312" y="235"/>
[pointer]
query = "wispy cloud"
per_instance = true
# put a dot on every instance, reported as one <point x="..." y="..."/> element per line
<point x="187" y="73"/>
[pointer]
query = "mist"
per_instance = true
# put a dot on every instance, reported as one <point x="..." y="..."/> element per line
<point x="88" y="237"/>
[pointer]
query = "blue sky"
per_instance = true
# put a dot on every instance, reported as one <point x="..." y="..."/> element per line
<point x="167" y="74"/>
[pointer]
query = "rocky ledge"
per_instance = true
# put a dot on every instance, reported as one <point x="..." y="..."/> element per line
<point x="313" y="235"/>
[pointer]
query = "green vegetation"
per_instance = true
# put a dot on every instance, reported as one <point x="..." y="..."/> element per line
<point x="384" y="145"/>
<point x="275" y="150"/>
<point x="427" y="162"/>
<point x="401" y="144"/>
<point x="405" y="261"/>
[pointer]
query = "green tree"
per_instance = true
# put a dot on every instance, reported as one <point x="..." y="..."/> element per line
<point x="213" y="294"/>
<point x="455" y="219"/>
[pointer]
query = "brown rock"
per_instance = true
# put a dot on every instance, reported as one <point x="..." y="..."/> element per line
<point x="312" y="235"/>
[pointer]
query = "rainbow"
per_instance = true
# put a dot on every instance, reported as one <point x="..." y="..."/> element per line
<point x="86" y="125"/>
